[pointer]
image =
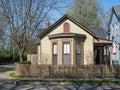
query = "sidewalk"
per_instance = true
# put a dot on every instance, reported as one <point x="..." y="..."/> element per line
<point x="5" y="75"/>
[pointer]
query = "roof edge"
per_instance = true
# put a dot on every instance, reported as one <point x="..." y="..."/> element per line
<point x="65" y="17"/>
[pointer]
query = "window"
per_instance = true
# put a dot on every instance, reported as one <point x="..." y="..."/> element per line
<point x="108" y="37"/>
<point x="78" y="53"/>
<point x="66" y="28"/>
<point x="54" y="53"/>
<point x="66" y="53"/>
<point x="112" y="29"/>
<point x="116" y="27"/>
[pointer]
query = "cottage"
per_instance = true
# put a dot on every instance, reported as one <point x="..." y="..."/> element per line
<point x="114" y="33"/>
<point x="67" y="42"/>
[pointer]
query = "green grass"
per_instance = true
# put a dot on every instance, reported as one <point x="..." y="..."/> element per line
<point x="6" y="69"/>
<point x="16" y="76"/>
<point x="36" y="79"/>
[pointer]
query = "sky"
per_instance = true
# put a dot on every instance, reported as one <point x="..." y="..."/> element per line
<point x="107" y="4"/>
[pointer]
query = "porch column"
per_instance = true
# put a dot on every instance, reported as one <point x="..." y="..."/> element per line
<point x="106" y="60"/>
<point x="111" y="55"/>
<point x="82" y="53"/>
<point x="101" y="54"/>
<point x="74" y="52"/>
<point x="38" y="53"/>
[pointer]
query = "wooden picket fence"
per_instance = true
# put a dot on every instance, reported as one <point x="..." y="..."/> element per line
<point x="67" y="71"/>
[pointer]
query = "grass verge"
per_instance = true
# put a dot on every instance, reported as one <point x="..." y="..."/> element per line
<point x="16" y="76"/>
<point x="70" y="81"/>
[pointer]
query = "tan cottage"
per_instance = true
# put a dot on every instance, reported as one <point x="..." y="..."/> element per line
<point x="67" y="42"/>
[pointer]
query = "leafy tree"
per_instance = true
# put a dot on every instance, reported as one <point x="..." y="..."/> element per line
<point x="87" y="12"/>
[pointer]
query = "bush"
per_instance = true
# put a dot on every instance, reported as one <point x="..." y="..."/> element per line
<point x="6" y="56"/>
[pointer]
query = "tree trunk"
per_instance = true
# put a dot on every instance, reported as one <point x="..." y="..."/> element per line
<point x="21" y="56"/>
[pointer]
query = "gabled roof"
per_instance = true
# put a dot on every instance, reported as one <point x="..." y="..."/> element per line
<point x="99" y="32"/>
<point x="116" y="10"/>
<point x="61" y="20"/>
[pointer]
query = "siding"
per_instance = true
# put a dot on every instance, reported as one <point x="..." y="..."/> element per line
<point x="116" y="37"/>
<point x="88" y="44"/>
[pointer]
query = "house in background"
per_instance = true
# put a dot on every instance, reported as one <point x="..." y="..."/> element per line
<point x="67" y="42"/>
<point x="114" y="33"/>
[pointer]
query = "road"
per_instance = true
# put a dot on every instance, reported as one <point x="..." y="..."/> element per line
<point x="39" y="86"/>
<point x="6" y="84"/>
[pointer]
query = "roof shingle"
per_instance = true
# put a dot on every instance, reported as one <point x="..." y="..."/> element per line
<point x="117" y="10"/>
<point x="99" y="32"/>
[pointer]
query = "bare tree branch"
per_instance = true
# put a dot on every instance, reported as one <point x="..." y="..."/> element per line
<point x="24" y="18"/>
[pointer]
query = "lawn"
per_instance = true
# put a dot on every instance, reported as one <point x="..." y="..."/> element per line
<point x="70" y="81"/>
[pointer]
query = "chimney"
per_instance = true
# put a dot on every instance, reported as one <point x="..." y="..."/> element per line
<point x="47" y="24"/>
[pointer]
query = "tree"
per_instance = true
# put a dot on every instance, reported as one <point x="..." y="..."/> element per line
<point x="2" y="29"/>
<point x="31" y="48"/>
<point x="86" y="12"/>
<point x="24" y="18"/>
<point x="107" y="17"/>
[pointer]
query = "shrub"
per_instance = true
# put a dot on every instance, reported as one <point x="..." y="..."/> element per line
<point x="6" y="56"/>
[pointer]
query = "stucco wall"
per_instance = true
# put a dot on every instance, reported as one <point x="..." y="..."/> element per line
<point x="46" y="44"/>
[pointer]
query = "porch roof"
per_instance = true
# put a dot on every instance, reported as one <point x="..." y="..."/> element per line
<point x="102" y="42"/>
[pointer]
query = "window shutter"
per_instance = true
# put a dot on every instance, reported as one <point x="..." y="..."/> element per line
<point x="66" y="28"/>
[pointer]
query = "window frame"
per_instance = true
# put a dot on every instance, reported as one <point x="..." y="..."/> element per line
<point x="54" y="43"/>
<point x="67" y="53"/>
<point x="78" y="53"/>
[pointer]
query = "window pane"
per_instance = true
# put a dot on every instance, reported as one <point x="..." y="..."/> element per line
<point x="55" y="49"/>
<point x="54" y="59"/>
<point x="65" y="48"/>
<point x="78" y="52"/>
<point x="66" y="59"/>
<point x="68" y="48"/>
<point x="78" y="47"/>
<point x="78" y="59"/>
<point x="54" y="53"/>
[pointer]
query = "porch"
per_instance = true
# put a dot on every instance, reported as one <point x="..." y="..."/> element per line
<point x="102" y="52"/>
